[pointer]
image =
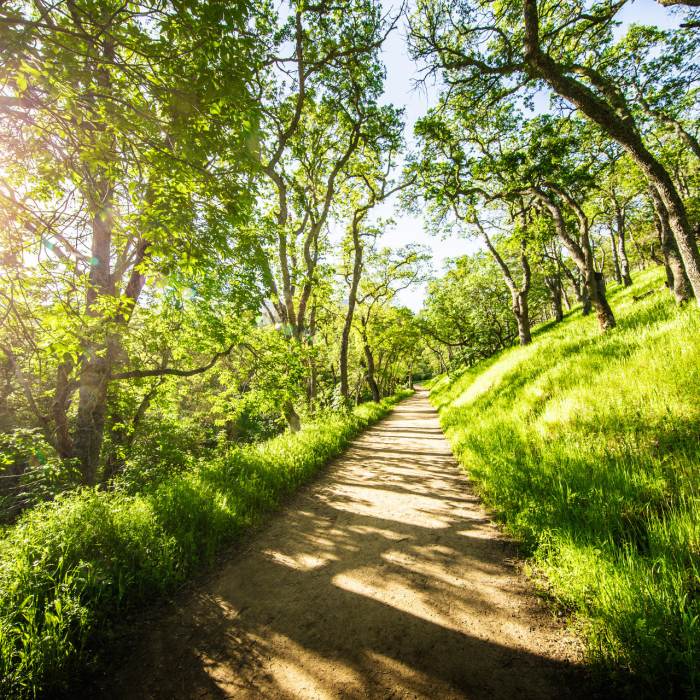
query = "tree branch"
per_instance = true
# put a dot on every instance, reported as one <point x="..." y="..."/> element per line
<point x="171" y="371"/>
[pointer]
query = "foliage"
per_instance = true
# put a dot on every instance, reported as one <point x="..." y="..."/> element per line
<point x="467" y="312"/>
<point x="172" y="174"/>
<point x="492" y="56"/>
<point x="30" y="471"/>
<point x="586" y="447"/>
<point x="191" y="260"/>
<point x="128" y="131"/>
<point x="70" y="568"/>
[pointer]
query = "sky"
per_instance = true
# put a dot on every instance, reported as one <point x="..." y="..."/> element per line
<point x="401" y="91"/>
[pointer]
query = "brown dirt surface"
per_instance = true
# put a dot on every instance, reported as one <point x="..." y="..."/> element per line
<point x="383" y="579"/>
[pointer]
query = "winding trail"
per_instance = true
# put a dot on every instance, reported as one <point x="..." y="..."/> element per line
<point x="383" y="579"/>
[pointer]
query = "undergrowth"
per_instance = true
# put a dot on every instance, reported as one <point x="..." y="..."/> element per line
<point x="70" y="567"/>
<point x="587" y="446"/>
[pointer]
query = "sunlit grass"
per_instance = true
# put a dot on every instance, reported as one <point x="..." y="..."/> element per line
<point x="70" y="567"/>
<point x="587" y="446"/>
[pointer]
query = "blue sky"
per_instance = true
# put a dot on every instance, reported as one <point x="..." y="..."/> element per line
<point x="400" y="90"/>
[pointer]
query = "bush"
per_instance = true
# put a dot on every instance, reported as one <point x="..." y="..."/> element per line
<point x="30" y="472"/>
<point x="70" y="566"/>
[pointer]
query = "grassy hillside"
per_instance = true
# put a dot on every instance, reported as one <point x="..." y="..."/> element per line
<point x="588" y="448"/>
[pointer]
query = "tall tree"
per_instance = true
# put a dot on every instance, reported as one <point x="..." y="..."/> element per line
<point x="320" y="109"/>
<point x="370" y="185"/>
<point x="117" y="128"/>
<point x="387" y="273"/>
<point x="488" y="52"/>
<point x="469" y="162"/>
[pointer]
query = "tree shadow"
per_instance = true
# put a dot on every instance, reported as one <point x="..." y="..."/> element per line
<point x="383" y="580"/>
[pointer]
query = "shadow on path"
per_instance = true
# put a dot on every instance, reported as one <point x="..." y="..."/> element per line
<point x="384" y="579"/>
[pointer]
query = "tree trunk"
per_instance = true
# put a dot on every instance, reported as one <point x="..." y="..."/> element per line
<point x="352" y="298"/>
<point x="92" y="408"/>
<point x="624" y="261"/>
<point x="593" y="284"/>
<point x="675" y="272"/>
<point x="373" y="386"/>
<point x="312" y="386"/>
<point x="581" y="253"/>
<point x="579" y="291"/>
<point x="670" y="279"/>
<point x="59" y="408"/>
<point x="616" y="262"/>
<point x="312" y="383"/>
<point x="518" y="294"/>
<point x="98" y="349"/>
<point x="291" y="416"/>
<point x="344" y="346"/>
<point x="584" y="299"/>
<point x="565" y="297"/>
<point x="606" y="319"/>
<point x="624" y="265"/>
<point x="679" y="225"/>
<point x="522" y="317"/>
<point x="555" y="292"/>
<point x="640" y="252"/>
<point x="676" y="279"/>
<point x="567" y="273"/>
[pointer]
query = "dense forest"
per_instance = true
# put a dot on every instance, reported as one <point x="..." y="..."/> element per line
<point x="198" y="307"/>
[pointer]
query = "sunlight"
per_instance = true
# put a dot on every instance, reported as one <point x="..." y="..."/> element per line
<point x="393" y="591"/>
<point x="257" y="260"/>
<point x="299" y="562"/>
<point x="395" y="507"/>
<point x="562" y="410"/>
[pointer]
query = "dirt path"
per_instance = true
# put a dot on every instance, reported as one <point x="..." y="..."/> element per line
<point x="384" y="579"/>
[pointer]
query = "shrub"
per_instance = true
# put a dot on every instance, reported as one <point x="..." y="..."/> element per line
<point x="30" y="472"/>
<point x="70" y="566"/>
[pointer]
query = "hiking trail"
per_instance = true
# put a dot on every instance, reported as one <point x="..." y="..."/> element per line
<point x="384" y="578"/>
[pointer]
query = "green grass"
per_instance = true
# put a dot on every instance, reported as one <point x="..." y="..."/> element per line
<point x="69" y="568"/>
<point x="587" y="447"/>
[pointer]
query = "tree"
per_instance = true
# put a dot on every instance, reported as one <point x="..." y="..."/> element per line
<point x="370" y="185"/>
<point x="618" y="192"/>
<point x="487" y="53"/>
<point x="320" y="112"/>
<point x="468" y="161"/>
<point x="118" y="131"/>
<point x="468" y="312"/>
<point x="387" y="273"/>
<point x="395" y="348"/>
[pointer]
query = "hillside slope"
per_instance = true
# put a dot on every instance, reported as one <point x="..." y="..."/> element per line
<point x="587" y="447"/>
